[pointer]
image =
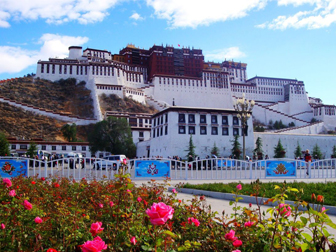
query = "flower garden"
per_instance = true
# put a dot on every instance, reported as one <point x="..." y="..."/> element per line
<point x="58" y="214"/>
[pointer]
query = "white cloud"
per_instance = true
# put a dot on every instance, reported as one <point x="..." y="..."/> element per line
<point x="136" y="17"/>
<point x="190" y="13"/>
<point x="322" y="13"/>
<point x="55" y="11"/>
<point x="226" y="53"/>
<point x="16" y="59"/>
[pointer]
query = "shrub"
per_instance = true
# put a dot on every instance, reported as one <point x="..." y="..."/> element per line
<point x="58" y="214"/>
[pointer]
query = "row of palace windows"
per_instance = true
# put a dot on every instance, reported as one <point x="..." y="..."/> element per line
<point x="192" y="131"/>
<point x="214" y="130"/>
<point x="159" y="131"/>
<point x="44" y="147"/>
<point x="203" y="119"/>
<point x="159" y="120"/>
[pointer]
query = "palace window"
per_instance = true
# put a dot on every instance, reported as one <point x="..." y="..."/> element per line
<point x="181" y="118"/>
<point x="191" y="118"/>
<point x="235" y="120"/>
<point x="73" y="147"/>
<point x="214" y="119"/>
<point x="192" y="130"/>
<point x="202" y="118"/>
<point x="235" y="132"/>
<point x="182" y="130"/>
<point x="53" y="147"/>
<point x="224" y="120"/>
<point x="225" y="131"/>
<point x="166" y="130"/>
<point x="214" y="131"/>
<point x="64" y="147"/>
<point x="203" y="130"/>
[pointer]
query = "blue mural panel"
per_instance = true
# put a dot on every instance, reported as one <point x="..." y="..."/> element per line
<point x="280" y="169"/>
<point x="226" y="163"/>
<point x="13" y="168"/>
<point x="152" y="169"/>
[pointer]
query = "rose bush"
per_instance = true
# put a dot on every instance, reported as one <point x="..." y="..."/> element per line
<point x="69" y="217"/>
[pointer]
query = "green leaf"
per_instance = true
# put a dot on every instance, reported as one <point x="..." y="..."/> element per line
<point x="304" y="246"/>
<point x="307" y="236"/>
<point x="171" y="234"/>
<point x="231" y="203"/>
<point x="304" y="220"/>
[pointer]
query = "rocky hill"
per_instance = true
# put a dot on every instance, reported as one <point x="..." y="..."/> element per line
<point x="61" y="96"/>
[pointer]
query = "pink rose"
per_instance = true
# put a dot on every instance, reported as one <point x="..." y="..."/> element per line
<point x="230" y="236"/>
<point x="323" y="209"/>
<point x="139" y="199"/>
<point x="249" y="224"/>
<point x="38" y="220"/>
<point x="237" y="250"/>
<point x="159" y="213"/>
<point x="101" y="205"/>
<point x="125" y="161"/>
<point x="3" y="226"/>
<point x="237" y="243"/>
<point x="285" y="210"/>
<point x="111" y="204"/>
<point x="27" y="205"/>
<point x="128" y="190"/>
<point x="7" y="182"/>
<point x="97" y="245"/>
<point x="12" y="193"/>
<point x="174" y="191"/>
<point x="96" y="228"/>
<point x="133" y="240"/>
<point x="193" y="220"/>
<point x="239" y="187"/>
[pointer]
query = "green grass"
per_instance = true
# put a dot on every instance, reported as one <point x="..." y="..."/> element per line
<point x="328" y="190"/>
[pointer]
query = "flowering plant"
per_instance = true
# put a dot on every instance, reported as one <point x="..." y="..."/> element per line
<point x="69" y="217"/>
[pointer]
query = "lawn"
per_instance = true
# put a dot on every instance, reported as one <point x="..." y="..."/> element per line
<point x="266" y="190"/>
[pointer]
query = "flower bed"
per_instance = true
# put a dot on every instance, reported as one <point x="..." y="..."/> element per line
<point x="57" y="214"/>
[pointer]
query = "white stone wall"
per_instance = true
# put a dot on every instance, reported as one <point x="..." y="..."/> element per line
<point x="193" y="95"/>
<point x="177" y="144"/>
<point x="290" y="142"/>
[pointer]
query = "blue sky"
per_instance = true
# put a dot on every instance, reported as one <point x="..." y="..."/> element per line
<point x="279" y="38"/>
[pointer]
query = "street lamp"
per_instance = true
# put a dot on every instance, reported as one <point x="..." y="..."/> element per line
<point x="244" y="109"/>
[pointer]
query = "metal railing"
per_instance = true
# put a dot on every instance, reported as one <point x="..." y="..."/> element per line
<point x="202" y="169"/>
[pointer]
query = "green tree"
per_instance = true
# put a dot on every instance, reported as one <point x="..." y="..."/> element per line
<point x="279" y="151"/>
<point x="215" y="150"/>
<point x="32" y="150"/>
<point x="298" y="151"/>
<point x="4" y="145"/>
<point x="191" y="148"/>
<point x="258" y="151"/>
<point x="112" y="135"/>
<point x="236" y="148"/>
<point x="69" y="132"/>
<point x="333" y="155"/>
<point x="317" y="152"/>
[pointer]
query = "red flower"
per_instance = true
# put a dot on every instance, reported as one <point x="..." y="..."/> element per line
<point x="52" y="250"/>
<point x="159" y="198"/>
<point x="27" y="205"/>
<point x="237" y="243"/>
<point x="43" y="178"/>
<point x="313" y="197"/>
<point x="96" y="228"/>
<point x="33" y="182"/>
<point x="320" y="198"/>
<point x="56" y="185"/>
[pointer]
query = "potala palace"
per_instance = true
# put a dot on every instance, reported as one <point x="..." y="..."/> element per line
<point x="195" y="97"/>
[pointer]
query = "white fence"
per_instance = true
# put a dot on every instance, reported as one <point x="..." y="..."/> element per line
<point x="205" y="169"/>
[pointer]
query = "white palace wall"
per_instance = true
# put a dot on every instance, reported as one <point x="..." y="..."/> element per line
<point x="195" y="94"/>
<point x="290" y="142"/>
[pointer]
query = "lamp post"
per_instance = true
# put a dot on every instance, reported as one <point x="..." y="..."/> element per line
<point x="243" y="108"/>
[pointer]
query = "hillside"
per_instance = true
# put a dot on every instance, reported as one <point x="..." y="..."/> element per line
<point x="114" y="103"/>
<point x="60" y="96"/>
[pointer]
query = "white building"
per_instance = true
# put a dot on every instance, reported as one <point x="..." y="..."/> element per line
<point x="142" y="76"/>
